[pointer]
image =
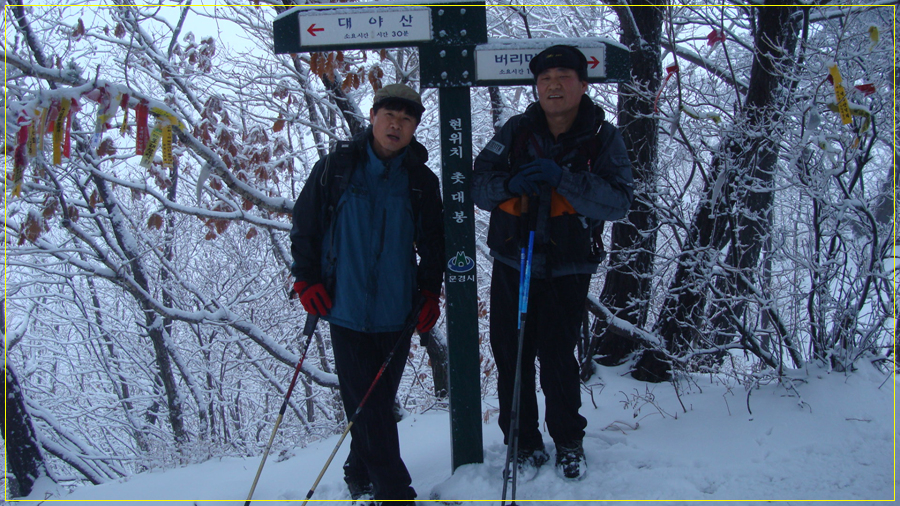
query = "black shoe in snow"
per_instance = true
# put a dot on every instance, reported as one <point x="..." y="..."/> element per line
<point x="361" y="489"/>
<point x="570" y="462"/>
<point x="360" y="492"/>
<point x="529" y="461"/>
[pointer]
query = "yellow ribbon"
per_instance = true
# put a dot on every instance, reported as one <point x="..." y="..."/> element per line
<point x="152" y="146"/>
<point x="168" y="160"/>
<point x="873" y="36"/>
<point x="33" y="134"/>
<point x="840" y="95"/>
<point x="59" y="129"/>
<point x="18" y="177"/>
<point x="169" y="117"/>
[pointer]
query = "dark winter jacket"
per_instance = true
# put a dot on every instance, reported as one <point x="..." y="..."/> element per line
<point x="362" y="244"/>
<point x="596" y="185"/>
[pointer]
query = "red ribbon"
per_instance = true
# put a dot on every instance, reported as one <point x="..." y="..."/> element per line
<point x="52" y="113"/>
<point x="21" y="155"/>
<point x="67" y="143"/>
<point x="715" y="36"/>
<point x="105" y="100"/>
<point x="867" y="89"/>
<point x="670" y="70"/>
<point x="124" y="106"/>
<point x="142" y="134"/>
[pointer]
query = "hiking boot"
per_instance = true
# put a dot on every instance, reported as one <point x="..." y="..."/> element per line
<point x="399" y="500"/>
<point x="570" y="462"/>
<point x="357" y="479"/>
<point x="360" y="491"/>
<point x="528" y="461"/>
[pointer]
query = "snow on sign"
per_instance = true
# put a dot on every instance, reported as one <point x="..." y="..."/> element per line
<point x="498" y="63"/>
<point x="360" y="27"/>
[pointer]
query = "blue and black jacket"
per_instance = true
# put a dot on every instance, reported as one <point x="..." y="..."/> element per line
<point x="359" y="225"/>
<point x="596" y="186"/>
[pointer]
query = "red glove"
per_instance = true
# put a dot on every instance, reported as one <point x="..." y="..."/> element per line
<point x="314" y="298"/>
<point x="431" y="309"/>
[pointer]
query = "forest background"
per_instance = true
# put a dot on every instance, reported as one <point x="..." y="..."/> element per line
<point x="147" y="318"/>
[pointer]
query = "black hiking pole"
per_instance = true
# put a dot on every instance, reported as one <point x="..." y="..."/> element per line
<point x="524" y="285"/>
<point x="309" y="329"/>
<point x="407" y="331"/>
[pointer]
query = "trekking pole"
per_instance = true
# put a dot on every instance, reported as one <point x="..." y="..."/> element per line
<point x="407" y="331"/>
<point x="309" y="329"/>
<point x="512" y="448"/>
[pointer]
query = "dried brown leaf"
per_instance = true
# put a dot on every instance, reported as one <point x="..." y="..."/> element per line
<point x="79" y="29"/>
<point x="155" y="221"/>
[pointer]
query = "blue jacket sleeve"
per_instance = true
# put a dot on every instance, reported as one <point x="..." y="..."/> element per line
<point x="491" y="169"/>
<point x="606" y="192"/>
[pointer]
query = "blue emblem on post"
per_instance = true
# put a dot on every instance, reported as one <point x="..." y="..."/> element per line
<point x="461" y="263"/>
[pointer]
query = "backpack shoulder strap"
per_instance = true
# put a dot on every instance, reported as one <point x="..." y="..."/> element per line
<point x="416" y="193"/>
<point x="338" y="170"/>
<point x="519" y="146"/>
<point x="600" y="141"/>
<point x="604" y="136"/>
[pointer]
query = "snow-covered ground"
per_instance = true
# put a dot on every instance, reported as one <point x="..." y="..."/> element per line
<point x="827" y="436"/>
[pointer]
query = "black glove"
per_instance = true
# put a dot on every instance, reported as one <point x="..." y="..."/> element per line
<point x="524" y="182"/>
<point x="548" y="171"/>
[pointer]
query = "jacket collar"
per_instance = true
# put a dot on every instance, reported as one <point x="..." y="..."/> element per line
<point x="590" y="117"/>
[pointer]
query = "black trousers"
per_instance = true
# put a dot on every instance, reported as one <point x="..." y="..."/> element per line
<point x="555" y="311"/>
<point x="374" y="443"/>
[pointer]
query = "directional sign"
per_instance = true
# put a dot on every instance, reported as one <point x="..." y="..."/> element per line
<point x="352" y="28"/>
<point x="506" y="62"/>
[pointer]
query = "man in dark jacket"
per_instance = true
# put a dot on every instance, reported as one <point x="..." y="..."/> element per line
<point x="367" y="210"/>
<point x="573" y="169"/>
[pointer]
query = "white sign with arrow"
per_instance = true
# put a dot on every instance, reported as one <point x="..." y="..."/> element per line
<point x="355" y="26"/>
<point x="499" y="61"/>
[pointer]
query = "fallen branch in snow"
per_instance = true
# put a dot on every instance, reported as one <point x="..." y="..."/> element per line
<point x="615" y="426"/>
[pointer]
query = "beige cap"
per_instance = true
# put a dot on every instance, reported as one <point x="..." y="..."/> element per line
<point x="400" y="91"/>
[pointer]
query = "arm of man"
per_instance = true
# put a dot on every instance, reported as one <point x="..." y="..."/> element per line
<point x="491" y="171"/>
<point x="307" y="229"/>
<point x="606" y="192"/>
<point x="430" y="243"/>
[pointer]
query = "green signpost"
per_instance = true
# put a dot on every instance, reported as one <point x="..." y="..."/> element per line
<point x="447" y="63"/>
<point x="455" y="55"/>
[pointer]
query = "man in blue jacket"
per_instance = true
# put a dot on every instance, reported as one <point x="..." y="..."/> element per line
<point x="574" y="170"/>
<point x="367" y="210"/>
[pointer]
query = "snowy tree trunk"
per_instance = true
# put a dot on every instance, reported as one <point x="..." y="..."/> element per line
<point x="23" y="455"/>
<point x="496" y="108"/>
<point x="154" y="323"/>
<point x="438" y="356"/>
<point x="632" y="249"/>
<point x="116" y="377"/>
<point x="737" y="197"/>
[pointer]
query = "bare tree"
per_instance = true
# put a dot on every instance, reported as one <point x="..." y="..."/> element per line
<point x="627" y="285"/>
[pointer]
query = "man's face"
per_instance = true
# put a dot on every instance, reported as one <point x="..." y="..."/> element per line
<point x="560" y="90"/>
<point x="392" y="131"/>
